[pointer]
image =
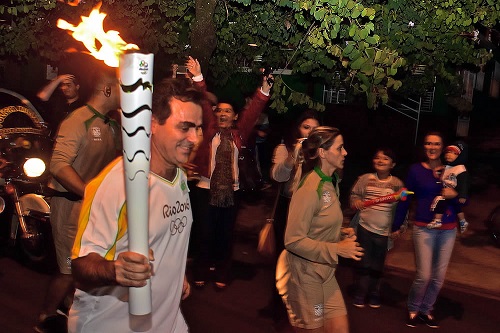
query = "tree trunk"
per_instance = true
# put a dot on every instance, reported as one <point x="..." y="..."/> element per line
<point x="203" y="39"/>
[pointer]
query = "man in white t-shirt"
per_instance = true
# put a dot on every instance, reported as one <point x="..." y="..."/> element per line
<point x="102" y="265"/>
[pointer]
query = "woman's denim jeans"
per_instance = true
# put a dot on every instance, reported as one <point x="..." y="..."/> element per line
<point x="433" y="250"/>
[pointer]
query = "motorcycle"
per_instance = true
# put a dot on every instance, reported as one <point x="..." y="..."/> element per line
<point x="25" y="149"/>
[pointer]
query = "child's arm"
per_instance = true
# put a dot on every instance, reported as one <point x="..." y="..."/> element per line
<point x="358" y="193"/>
<point x="397" y="233"/>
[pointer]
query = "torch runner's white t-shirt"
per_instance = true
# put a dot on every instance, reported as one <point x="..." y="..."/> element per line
<point x="102" y="229"/>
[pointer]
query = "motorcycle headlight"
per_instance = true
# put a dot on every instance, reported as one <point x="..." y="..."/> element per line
<point x="33" y="167"/>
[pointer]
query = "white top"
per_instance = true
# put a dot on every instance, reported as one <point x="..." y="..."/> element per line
<point x="105" y="309"/>
<point x="450" y="174"/>
<point x="280" y="172"/>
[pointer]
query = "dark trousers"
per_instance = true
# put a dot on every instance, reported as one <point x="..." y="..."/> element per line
<point x="195" y="194"/>
<point x="369" y="269"/>
<point x="215" y="239"/>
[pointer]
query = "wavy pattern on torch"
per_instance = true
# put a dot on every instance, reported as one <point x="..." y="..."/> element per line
<point x="137" y="84"/>
<point x="135" y="132"/>
<point x="136" y="164"/>
<point x="132" y="114"/>
<point x="135" y="174"/>
<point x="135" y="153"/>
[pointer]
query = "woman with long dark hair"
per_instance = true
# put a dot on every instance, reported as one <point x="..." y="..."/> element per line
<point x="286" y="169"/>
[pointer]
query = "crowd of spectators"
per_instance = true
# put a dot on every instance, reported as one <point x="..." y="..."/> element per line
<point x="197" y="138"/>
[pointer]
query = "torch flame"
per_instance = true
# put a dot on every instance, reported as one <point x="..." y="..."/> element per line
<point x="90" y="30"/>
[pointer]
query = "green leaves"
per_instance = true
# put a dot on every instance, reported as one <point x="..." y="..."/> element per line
<point x="320" y="14"/>
<point x="356" y="64"/>
<point x="373" y="43"/>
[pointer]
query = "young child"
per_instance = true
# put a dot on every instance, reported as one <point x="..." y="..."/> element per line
<point x="453" y="175"/>
<point x="374" y="227"/>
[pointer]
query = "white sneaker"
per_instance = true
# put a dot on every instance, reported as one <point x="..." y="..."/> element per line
<point x="463" y="226"/>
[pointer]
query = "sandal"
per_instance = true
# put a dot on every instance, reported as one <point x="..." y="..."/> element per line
<point x="220" y="286"/>
<point x="199" y="284"/>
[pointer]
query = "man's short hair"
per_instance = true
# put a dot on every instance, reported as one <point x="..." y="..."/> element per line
<point x="101" y="76"/>
<point x="170" y="88"/>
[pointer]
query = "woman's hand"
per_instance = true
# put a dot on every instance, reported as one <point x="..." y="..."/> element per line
<point x="193" y="66"/>
<point x="267" y="84"/>
<point x="349" y="248"/>
<point x="347" y="232"/>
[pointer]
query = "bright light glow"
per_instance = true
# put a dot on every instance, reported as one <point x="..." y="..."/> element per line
<point x="253" y="45"/>
<point x="33" y="167"/>
<point x="90" y="30"/>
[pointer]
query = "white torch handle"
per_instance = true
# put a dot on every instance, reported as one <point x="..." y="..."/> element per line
<point x="136" y="80"/>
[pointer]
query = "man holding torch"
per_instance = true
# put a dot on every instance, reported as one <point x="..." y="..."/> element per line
<point x="103" y="267"/>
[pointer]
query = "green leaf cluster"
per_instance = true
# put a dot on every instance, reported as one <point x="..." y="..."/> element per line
<point x="373" y="44"/>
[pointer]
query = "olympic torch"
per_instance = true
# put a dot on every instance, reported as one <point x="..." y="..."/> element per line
<point x="136" y="77"/>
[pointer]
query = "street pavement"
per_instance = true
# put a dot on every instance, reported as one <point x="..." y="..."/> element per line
<point x="468" y="303"/>
<point x="475" y="261"/>
<point x="474" y="265"/>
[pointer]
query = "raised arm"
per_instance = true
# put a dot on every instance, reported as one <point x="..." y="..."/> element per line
<point x="194" y="68"/>
<point x="249" y="116"/>
<point x="46" y="92"/>
<point x="283" y="163"/>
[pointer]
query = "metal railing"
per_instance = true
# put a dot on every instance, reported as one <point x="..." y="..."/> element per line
<point x="334" y="95"/>
<point x="408" y="107"/>
<point x="412" y="107"/>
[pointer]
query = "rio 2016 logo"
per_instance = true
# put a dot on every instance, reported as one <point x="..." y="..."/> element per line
<point x="143" y="67"/>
